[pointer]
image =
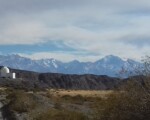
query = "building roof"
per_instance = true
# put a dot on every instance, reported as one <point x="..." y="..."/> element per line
<point x="5" y="70"/>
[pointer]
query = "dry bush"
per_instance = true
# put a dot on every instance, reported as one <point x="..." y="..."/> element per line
<point x="57" y="105"/>
<point x="60" y="115"/>
<point x="131" y="104"/>
<point x="78" y="99"/>
<point x="21" y="101"/>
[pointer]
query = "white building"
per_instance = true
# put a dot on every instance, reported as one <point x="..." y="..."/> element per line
<point x="5" y="73"/>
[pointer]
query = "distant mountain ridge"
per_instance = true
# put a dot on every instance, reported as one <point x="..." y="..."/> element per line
<point x="109" y="65"/>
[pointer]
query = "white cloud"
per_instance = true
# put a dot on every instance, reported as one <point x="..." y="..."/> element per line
<point x="100" y="27"/>
<point x="64" y="57"/>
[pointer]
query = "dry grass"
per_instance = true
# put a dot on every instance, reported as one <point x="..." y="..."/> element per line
<point x="56" y="103"/>
<point x="84" y="93"/>
<point x="3" y="88"/>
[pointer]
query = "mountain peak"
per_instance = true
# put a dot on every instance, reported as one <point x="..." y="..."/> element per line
<point x="111" y="57"/>
<point x="109" y="65"/>
<point x="13" y="55"/>
<point x="74" y="61"/>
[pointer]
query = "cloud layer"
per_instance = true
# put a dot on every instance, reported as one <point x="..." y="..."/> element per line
<point x="93" y="27"/>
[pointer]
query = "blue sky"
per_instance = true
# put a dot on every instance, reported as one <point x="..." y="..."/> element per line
<point x="75" y="29"/>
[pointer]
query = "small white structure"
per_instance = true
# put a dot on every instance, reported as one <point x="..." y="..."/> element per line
<point x="5" y="73"/>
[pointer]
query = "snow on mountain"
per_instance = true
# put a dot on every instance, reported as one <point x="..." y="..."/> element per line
<point x="109" y="65"/>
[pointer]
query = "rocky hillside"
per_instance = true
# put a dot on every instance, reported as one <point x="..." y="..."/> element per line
<point x="30" y="80"/>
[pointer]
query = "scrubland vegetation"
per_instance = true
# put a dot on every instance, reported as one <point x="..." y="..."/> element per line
<point x="131" y="103"/>
<point x="128" y="102"/>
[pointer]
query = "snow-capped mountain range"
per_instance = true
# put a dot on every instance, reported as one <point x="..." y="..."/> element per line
<point x="109" y="65"/>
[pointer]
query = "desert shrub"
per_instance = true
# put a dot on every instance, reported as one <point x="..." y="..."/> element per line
<point x="131" y="104"/>
<point x="57" y="105"/>
<point x="60" y="115"/>
<point x="49" y="94"/>
<point x="78" y="99"/>
<point x="9" y="90"/>
<point x="2" y="91"/>
<point x="21" y="101"/>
